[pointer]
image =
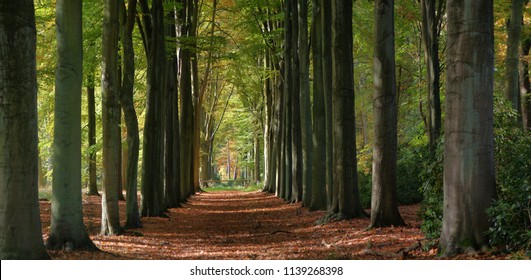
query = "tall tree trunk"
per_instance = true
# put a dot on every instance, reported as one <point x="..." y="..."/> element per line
<point x="256" y="172"/>
<point x="93" y="185"/>
<point x="384" y="204"/>
<point x="305" y="106"/>
<point x="196" y="95"/>
<point x="469" y="179"/>
<point x="432" y="11"/>
<point x="172" y="185"/>
<point x="131" y="120"/>
<point x="110" y="118"/>
<point x="318" y="196"/>
<point x="20" y="233"/>
<point x="153" y="151"/>
<point x="326" y="14"/>
<point x="67" y="230"/>
<point x="296" y="140"/>
<point x="288" y="91"/>
<point x="512" y="59"/>
<point x="186" y="120"/>
<point x="344" y="125"/>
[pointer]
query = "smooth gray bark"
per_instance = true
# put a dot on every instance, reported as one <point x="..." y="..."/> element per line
<point x="318" y="190"/>
<point x="305" y="106"/>
<point x="384" y="204"/>
<point x="512" y="59"/>
<point x="469" y="175"/>
<point x="295" y="96"/>
<point x="131" y="120"/>
<point x="343" y="121"/>
<point x="20" y="226"/>
<point x="110" y="119"/>
<point x="67" y="231"/>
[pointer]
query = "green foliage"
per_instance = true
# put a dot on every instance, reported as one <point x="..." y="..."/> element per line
<point x="431" y="175"/>
<point x="234" y="186"/>
<point x="510" y="214"/>
<point x="408" y="181"/>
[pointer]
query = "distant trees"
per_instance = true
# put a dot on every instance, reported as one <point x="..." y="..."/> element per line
<point x="20" y="231"/>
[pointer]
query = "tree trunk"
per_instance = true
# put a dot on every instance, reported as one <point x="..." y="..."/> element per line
<point x="469" y="179"/>
<point x="512" y="59"/>
<point x="110" y="118"/>
<point x="431" y="14"/>
<point x="93" y="185"/>
<point x="186" y="121"/>
<point x="153" y="151"/>
<point x="20" y="233"/>
<point x="305" y="106"/>
<point x="326" y="14"/>
<point x="67" y="231"/>
<point x="131" y="120"/>
<point x="344" y="125"/>
<point x="318" y="196"/>
<point x="296" y="140"/>
<point x="256" y="172"/>
<point x="384" y="205"/>
<point x="172" y="185"/>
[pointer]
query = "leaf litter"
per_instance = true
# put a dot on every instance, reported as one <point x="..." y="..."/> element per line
<point x="234" y="225"/>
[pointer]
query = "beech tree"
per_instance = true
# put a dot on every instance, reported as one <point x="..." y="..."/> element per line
<point x="512" y="59"/>
<point x="152" y="27"/>
<point x="20" y="230"/>
<point x="127" y="23"/>
<point x="469" y="179"/>
<point x="432" y="12"/>
<point x="384" y="205"/>
<point x="346" y="202"/>
<point x="111" y="120"/>
<point x="67" y="229"/>
<point x="318" y="190"/>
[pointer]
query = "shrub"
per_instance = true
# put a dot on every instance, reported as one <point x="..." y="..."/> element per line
<point x="510" y="214"/>
<point x="431" y="175"/>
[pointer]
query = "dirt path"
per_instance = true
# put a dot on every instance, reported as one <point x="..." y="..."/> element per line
<point x="241" y="225"/>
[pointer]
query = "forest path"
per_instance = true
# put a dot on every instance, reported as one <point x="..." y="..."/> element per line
<point x="245" y="225"/>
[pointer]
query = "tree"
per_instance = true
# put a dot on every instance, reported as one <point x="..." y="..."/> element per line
<point x="153" y="150"/>
<point x="384" y="205"/>
<point x="67" y="229"/>
<point x="512" y="59"/>
<point x="305" y="106"/>
<point x="93" y="185"/>
<point x="111" y="119"/>
<point x="326" y="15"/>
<point x="432" y="12"/>
<point x="185" y="87"/>
<point x="347" y="203"/>
<point x="469" y="179"/>
<point x="127" y="22"/>
<point x="295" y="96"/>
<point x="318" y="196"/>
<point x="172" y="190"/>
<point x="20" y="231"/>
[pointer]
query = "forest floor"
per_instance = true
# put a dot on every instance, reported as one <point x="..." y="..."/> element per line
<point x="238" y="225"/>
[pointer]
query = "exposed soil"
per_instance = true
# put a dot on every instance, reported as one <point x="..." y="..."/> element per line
<point x="249" y="225"/>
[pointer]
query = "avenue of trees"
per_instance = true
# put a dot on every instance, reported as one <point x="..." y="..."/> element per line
<point x="335" y="104"/>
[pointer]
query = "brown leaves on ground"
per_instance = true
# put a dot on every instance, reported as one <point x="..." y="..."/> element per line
<point x="242" y="225"/>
